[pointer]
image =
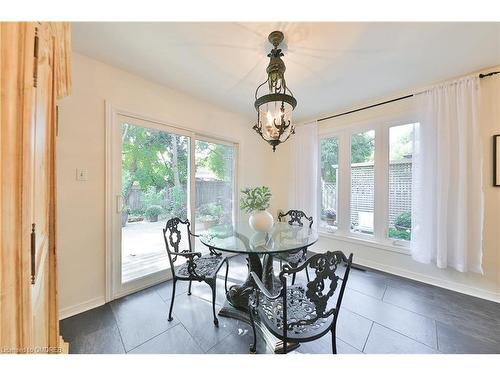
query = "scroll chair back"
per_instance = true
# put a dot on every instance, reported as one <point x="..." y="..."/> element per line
<point x="296" y="258"/>
<point x="177" y="235"/>
<point x="301" y="313"/>
<point x="295" y="217"/>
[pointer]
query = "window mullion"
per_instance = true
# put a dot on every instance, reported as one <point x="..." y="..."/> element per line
<point x="344" y="184"/>
<point x="381" y="193"/>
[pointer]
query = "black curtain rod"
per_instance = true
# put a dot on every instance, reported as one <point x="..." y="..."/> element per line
<point x="389" y="101"/>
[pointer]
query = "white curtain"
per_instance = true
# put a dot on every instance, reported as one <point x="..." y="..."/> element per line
<point x="447" y="214"/>
<point x="305" y="169"/>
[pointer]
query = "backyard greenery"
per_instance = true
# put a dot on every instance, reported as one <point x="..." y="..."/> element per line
<point x="255" y="199"/>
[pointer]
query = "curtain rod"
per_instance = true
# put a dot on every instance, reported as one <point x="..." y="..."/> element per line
<point x="389" y="101"/>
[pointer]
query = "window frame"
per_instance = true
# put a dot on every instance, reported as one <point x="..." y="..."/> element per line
<point x="381" y="126"/>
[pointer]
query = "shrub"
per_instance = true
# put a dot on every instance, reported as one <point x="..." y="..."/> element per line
<point x="152" y="212"/>
<point x="211" y="211"/>
<point x="151" y="197"/>
<point x="403" y="220"/>
<point x="256" y="199"/>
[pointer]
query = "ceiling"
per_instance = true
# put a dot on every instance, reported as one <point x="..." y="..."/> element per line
<point x="330" y="66"/>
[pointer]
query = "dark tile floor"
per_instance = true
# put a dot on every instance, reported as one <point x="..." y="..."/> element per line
<point x="381" y="313"/>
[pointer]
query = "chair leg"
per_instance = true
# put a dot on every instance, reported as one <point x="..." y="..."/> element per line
<point x="189" y="288"/>
<point x="227" y="272"/>
<point x="334" y="342"/>
<point x="293" y="278"/>
<point x="307" y="275"/>
<point x="213" y="286"/>
<point x="253" y="346"/>
<point x="172" y="302"/>
<point x="285" y="345"/>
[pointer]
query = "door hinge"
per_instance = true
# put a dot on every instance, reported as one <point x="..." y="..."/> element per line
<point x="33" y="253"/>
<point x="35" y="60"/>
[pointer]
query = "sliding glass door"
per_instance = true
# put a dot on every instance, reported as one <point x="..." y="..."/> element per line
<point x="214" y="184"/>
<point x="159" y="172"/>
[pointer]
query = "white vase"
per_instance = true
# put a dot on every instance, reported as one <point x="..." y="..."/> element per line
<point x="261" y="221"/>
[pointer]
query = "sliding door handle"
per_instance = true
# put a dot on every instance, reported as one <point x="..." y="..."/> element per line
<point x="119" y="204"/>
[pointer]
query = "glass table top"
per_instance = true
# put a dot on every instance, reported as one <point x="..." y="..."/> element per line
<point x="241" y="238"/>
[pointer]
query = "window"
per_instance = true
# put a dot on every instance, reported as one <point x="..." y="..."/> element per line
<point x="400" y="169"/>
<point x="329" y="151"/>
<point x="362" y="181"/>
<point x="366" y="183"/>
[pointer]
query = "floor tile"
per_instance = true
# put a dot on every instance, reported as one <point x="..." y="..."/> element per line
<point x="141" y="316"/>
<point x="408" y="323"/>
<point x="103" y="341"/>
<point x="386" y="341"/>
<point x="353" y="328"/>
<point x="323" y="345"/>
<point x="452" y="340"/>
<point x="196" y="316"/>
<point x="165" y="289"/>
<point x="367" y="283"/>
<point x="239" y="343"/>
<point x="202" y="290"/>
<point x="176" y="340"/>
<point x="469" y="318"/>
<point x="87" y="322"/>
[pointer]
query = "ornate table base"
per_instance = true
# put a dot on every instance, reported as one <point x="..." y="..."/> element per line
<point x="236" y="306"/>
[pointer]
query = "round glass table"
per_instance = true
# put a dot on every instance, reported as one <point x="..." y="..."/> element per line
<point x="260" y="249"/>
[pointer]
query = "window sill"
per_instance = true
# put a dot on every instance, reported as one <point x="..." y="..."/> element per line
<point x="366" y="242"/>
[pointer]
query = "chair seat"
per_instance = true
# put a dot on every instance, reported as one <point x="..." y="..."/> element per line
<point x="299" y="307"/>
<point x="207" y="266"/>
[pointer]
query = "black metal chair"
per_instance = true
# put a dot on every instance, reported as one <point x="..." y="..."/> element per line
<point x="295" y="258"/>
<point x="197" y="267"/>
<point x="299" y="313"/>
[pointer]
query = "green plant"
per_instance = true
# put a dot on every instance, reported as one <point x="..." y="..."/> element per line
<point x="152" y="212"/>
<point x="211" y="211"/>
<point x="399" y="234"/>
<point x="152" y="197"/>
<point x="256" y="199"/>
<point x="403" y="220"/>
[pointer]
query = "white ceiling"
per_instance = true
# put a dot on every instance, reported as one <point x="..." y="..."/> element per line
<point x="330" y="66"/>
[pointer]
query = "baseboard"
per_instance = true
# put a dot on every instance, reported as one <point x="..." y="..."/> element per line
<point x="81" y="307"/>
<point x="450" y="285"/>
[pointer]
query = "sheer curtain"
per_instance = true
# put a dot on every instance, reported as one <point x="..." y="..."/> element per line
<point x="305" y="165"/>
<point x="447" y="215"/>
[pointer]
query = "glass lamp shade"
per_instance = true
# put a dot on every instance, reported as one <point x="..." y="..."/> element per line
<point x="275" y="117"/>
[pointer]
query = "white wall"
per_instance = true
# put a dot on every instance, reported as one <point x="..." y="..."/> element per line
<point x="487" y="285"/>
<point x="81" y="144"/>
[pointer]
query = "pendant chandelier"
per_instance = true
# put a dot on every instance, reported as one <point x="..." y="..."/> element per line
<point x="275" y="103"/>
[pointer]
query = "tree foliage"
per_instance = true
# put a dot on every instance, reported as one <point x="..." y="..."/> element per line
<point x="148" y="159"/>
<point x="216" y="157"/>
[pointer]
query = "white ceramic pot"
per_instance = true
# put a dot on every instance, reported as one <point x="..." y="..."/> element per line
<point x="261" y="221"/>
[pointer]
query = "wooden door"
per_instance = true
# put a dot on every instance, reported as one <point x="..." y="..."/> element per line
<point x="41" y="180"/>
<point x="31" y="78"/>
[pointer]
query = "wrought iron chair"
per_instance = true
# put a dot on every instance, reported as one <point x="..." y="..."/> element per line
<point x="197" y="267"/>
<point x="295" y="258"/>
<point x="299" y="313"/>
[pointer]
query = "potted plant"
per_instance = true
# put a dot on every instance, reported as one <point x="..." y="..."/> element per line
<point x="330" y="216"/>
<point x="255" y="201"/>
<point x="152" y="213"/>
<point x="125" y="213"/>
